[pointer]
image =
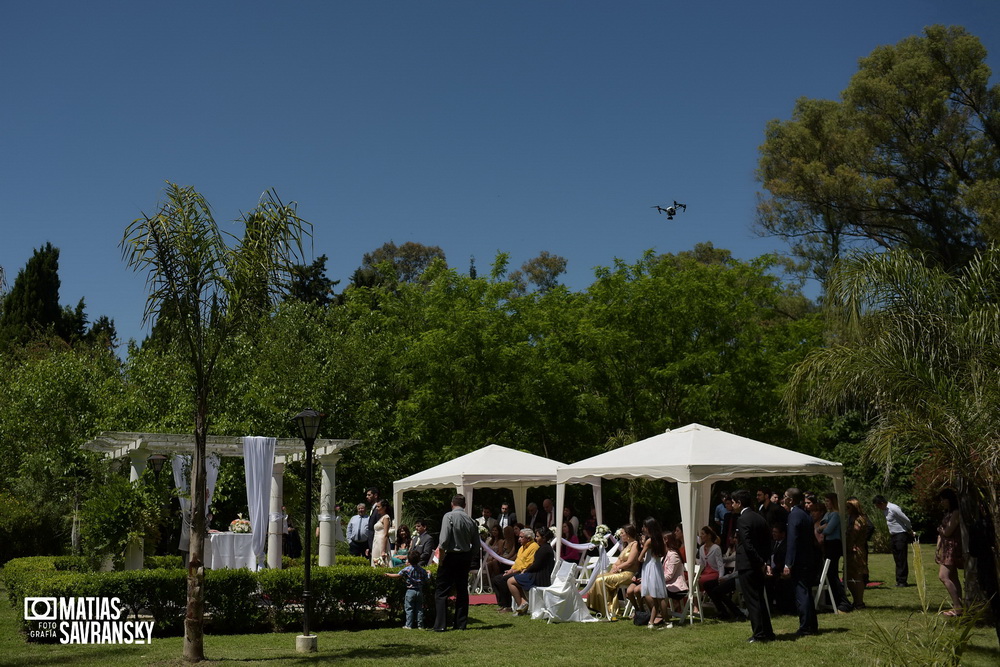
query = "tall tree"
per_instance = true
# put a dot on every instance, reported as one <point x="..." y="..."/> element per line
<point x="916" y="349"/>
<point x="909" y="158"/>
<point x="543" y="272"/>
<point x="310" y="284"/>
<point x="32" y="305"/>
<point x="212" y="290"/>
<point x="408" y="260"/>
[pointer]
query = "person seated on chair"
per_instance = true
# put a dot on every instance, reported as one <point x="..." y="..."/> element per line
<point x="525" y="557"/>
<point x="713" y="578"/>
<point x="673" y="573"/>
<point x="606" y="585"/>
<point x="571" y="555"/>
<point x="507" y="549"/>
<point x="539" y="573"/>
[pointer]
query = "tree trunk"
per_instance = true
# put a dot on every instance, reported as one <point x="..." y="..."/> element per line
<point x="194" y="621"/>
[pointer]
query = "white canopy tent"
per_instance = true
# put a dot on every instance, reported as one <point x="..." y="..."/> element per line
<point x="491" y="467"/>
<point x="694" y="457"/>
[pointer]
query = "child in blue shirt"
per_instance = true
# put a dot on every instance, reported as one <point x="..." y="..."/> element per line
<point x="413" y="604"/>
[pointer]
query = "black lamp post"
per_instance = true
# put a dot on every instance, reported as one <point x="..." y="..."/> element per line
<point x="156" y="461"/>
<point x="308" y="421"/>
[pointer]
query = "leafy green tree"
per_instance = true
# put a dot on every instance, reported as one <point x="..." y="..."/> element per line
<point x="310" y="284"/>
<point x="408" y="261"/>
<point x="212" y="291"/>
<point x="909" y="158"/>
<point x="543" y="272"/>
<point x="916" y="350"/>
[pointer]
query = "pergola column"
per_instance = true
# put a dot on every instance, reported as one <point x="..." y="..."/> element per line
<point x="275" y="516"/>
<point x="135" y="554"/>
<point x="327" y="496"/>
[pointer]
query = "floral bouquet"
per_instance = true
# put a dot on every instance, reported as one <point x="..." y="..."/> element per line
<point x="484" y="532"/>
<point x="601" y="534"/>
<point x="239" y="525"/>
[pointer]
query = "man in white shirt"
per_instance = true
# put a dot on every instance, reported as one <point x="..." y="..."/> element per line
<point x="900" y="535"/>
<point x="507" y="518"/>
<point x="487" y="519"/>
<point x="357" y="532"/>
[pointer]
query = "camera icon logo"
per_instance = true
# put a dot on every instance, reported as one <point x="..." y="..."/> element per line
<point x="40" y="609"/>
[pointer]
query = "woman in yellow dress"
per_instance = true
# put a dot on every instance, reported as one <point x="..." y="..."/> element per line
<point x="606" y="586"/>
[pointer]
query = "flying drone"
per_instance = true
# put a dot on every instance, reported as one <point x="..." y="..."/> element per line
<point x="671" y="211"/>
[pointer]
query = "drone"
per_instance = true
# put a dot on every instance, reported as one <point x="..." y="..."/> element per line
<point x="671" y="211"/>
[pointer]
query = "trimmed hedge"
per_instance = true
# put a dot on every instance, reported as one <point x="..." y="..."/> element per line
<point x="235" y="600"/>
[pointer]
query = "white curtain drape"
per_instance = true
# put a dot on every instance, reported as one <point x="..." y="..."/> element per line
<point x="181" y="464"/>
<point x="212" y="462"/>
<point x="258" y="460"/>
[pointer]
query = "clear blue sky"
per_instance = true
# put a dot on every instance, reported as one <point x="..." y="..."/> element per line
<point x="475" y="126"/>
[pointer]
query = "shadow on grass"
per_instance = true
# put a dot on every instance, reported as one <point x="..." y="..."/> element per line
<point x="389" y="652"/>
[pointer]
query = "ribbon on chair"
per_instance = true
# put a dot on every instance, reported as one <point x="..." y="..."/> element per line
<point x="602" y="564"/>
<point x="496" y="556"/>
<point x="579" y="547"/>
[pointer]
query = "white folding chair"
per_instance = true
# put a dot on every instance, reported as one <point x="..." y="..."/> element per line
<point x="561" y="602"/>
<point x="694" y="596"/>
<point x="824" y="584"/>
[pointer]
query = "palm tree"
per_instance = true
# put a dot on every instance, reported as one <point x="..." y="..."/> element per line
<point x="918" y="350"/>
<point x="208" y="292"/>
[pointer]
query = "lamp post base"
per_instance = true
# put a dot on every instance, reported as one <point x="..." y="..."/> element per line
<point x="306" y="643"/>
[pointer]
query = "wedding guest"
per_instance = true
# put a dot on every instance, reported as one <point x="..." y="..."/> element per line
<point x="752" y="554"/>
<point x="728" y="533"/>
<point x="673" y="572"/>
<point x="532" y="519"/>
<point x="402" y="548"/>
<point x="771" y="510"/>
<point x="653" y="588"/>
<point x="857" y="529"/>
<point x="549" y="515"/>
<point x="357" y="532"/>
<point x="714" y="580"/>
<point x="458" y="548"/>
<point x="801" y="561"/>
<point x="569" y="517"/>
<point x="590" y="525"/>
<point x="380" y="536"/>
<point x="423" y="543"/>
<point x="571" y="555"/>
<point x="507" y="549"/>
<point x="679" y="535"/>
<point x="507" y="517"/>
<point x="539" y="573"/>
<point x="603" y="597"/>
<point x="949" y="550"/>
<point x="525" y="557"/>
<point x="719" y="514"/>
<point x="779" y="594"/>
<point x="816" y="510"/>
<point x="496" y="537"/>
<point x="372" y="496"/>
<point x="487" y="518"/>
<point x="900" y="536"/>
<point x="413" y="604"/>
<point x="833" y="549"/>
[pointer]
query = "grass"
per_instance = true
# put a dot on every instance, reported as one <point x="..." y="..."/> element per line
<point x="501" y="638"/>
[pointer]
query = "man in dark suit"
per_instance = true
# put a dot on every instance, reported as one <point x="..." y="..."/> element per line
<point x="753" y="547"/>
<point x="371" y="494"/>
<point x="423" y="543"/>
<point x="800" y="561"/>
<point x="778" y="592"/>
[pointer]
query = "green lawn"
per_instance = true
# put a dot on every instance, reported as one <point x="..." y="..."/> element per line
<point x="500" y="639"/>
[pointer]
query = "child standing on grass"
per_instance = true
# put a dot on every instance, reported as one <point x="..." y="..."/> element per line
<point x="413" y="604"/>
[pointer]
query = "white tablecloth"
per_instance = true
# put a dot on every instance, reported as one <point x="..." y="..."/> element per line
<point x="229" y="550"/>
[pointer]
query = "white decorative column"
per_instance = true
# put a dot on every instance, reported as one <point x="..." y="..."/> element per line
<point x="135" y="555"/>
<point x="327" y="495"/>
<point x="275" y="517"/>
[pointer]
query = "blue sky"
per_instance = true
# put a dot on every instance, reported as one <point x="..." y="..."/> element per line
<point x="476" y="126"/>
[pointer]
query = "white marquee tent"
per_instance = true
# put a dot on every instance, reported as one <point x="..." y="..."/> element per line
<point x="491" y="467"/>
<point x="694" y="456"/>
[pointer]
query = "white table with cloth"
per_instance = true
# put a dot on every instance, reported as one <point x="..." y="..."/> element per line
<point x="229" y="550"/>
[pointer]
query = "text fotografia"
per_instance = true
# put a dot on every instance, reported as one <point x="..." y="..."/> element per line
<point x="84" y="620"/>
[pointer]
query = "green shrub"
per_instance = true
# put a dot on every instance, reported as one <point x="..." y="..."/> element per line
<point x="73" y="563"/>
<point x="232" y="597"/>
<point x="280" y="590"/>
<point x="163" y="563"/>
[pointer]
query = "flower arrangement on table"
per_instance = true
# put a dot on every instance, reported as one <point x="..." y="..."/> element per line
<point x="240" y="525"/>
<point x="601" y="534"/>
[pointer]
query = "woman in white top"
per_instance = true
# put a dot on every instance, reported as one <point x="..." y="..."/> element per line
<point x="380" y="544"/>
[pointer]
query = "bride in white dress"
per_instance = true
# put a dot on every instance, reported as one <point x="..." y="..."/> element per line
<point x="380" y="543"/>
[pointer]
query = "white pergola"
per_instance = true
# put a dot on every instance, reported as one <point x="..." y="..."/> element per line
<point x="137" y="447"/>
